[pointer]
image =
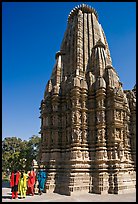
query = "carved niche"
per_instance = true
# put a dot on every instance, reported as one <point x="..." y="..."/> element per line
<point x="100" y="116"/>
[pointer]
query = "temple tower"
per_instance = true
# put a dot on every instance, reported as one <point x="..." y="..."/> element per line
<point x="87" y="119"/>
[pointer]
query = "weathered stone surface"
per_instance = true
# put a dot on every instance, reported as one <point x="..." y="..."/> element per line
<point x="88" y="122"/>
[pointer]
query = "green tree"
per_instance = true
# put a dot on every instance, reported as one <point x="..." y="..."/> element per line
<point x="32" y="150"/>
<point x="19" y="154"/>
<point x="11" y="148"/>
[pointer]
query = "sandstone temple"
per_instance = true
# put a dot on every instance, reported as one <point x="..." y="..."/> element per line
<point x="88" y="122"/>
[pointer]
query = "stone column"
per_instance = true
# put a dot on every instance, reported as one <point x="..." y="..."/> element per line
<point x="100" y="180"/>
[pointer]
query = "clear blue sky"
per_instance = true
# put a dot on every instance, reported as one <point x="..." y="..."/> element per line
<point x="31" y="35"/>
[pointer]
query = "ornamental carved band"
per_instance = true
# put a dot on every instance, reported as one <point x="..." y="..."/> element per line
<point x="88" y="122"/>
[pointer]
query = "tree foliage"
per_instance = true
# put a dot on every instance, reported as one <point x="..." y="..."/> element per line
<point x="17" y="153"/>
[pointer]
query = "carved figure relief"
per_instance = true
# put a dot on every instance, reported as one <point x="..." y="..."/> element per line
<point x="79" y="154"/>
<point x="121" y="134"/>
<point x="83" y="104"/>
<point x="73" y="103"/>
<point x="84" y="135"/>
<point x="101" y="134"/>
<point x="76" y="135"/>
<point x="86" y="154"/>
<point x="101" y="103"/>
<point x="118" y="115"/>
<point x="120" y="150"/>
<point x="76" y="117"/>
<point x="73" y="117"/>
<point x="100" y="116"/>
<point x="84" y="118"/>
<point x="77" y="101"/>
<point x="117" y="133"/>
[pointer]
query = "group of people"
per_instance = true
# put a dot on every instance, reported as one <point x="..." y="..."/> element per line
<point x="24" y="183"/>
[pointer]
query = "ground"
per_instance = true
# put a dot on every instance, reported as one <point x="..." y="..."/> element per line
<point x="81" y="197"/>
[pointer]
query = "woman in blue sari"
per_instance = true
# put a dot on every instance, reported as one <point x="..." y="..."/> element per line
<point x="41" y="177"/>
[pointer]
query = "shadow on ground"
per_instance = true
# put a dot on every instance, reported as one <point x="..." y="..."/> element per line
<point x="6" y="197"/>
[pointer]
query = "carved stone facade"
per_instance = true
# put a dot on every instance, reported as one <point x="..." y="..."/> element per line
<point x="88" y="122"/>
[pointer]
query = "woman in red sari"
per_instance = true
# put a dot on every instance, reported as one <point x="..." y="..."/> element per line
<point x="14" y="180"/>
<point x="31" y="182"/>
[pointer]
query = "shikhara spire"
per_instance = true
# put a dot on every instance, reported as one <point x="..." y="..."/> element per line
<point x="87" y="119"/>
